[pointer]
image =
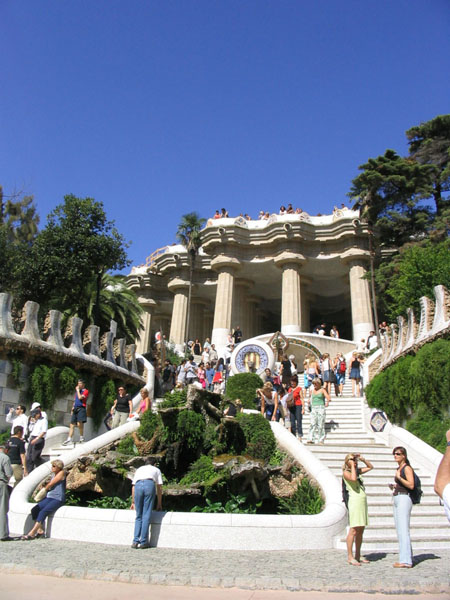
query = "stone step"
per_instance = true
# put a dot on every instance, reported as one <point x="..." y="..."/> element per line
<point x="432" y="520"/>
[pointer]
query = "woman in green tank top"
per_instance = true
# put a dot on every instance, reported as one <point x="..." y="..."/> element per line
<point x="318" y="402"/>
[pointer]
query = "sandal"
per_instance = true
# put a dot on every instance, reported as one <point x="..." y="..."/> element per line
<point x="398" y="565"/>
<point x="27" y="537"/>
<point x="364" y="561"/>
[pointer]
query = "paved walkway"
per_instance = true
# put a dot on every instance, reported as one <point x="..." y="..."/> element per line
<point x="308" y="570"/>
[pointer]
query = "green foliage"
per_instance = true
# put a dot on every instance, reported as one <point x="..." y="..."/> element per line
<point x="190" y="428"/>
<point x="103" y="399"/>
<point x="67" y="380"/>
<point x="149" y="423"/>
<point x="235" y="504"/>
<point x="188" y="233"/>
<point x="429" y="427"/>
<point x="244" y="386"/>
<point x="177" y="398"/>
<point x="72" y="499"/>
<point x="429" y="144"/>
<point x="4" y="437"/>
<point x="387" y="192"/>
<point x="16" y="371"/>
<point x="201" y="471"/>
<point x="415" y="384"/>
<point x="306" y="500"/>
<point x="413" y="273"/>
<point x="127" y="446"/>
<point x="77" y="245"/>
<point x="43" y="386"/>
<point x="110" y="502"/>
<point x="260" y="441"/>
<point x="277" y="458"/>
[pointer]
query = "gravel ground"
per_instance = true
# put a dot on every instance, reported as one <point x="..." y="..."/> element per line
<point x="309" y="570"/>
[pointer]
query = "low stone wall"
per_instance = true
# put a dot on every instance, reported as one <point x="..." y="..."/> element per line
<point x="193" y="530"/>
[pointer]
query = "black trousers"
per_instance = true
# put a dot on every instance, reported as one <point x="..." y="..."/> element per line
<point x="34" y="452"/>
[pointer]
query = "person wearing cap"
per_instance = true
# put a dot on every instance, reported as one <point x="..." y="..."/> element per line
<point x="37" y="439"/>
<point x="78" y="414"/>
<point x="5" y="475"/>
<point x="17" y="416"/>
<point x="147" y="482"/>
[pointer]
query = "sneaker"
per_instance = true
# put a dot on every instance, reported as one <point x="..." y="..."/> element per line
<point x="81" y="439"/>
<point x="144" y="546"/>
<point x="67" y="442"/>
<point x="134" y="545"/>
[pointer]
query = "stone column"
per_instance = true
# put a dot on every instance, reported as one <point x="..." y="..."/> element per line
<point x="226" y="267"/>
<point x="180" y="288"/>
<point x="145" y="334"/>
<point x="291" y="307"/>
<point x="360" y="297"/>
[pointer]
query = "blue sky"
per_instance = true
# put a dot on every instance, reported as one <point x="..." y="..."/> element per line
<point x="158" y="108"/>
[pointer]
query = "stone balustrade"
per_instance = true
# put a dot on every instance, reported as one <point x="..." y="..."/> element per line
<point x="107" y="357"/>
<point x="406" y="336"/>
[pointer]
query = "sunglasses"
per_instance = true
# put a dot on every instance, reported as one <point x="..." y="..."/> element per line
<point x="398" y="453"/>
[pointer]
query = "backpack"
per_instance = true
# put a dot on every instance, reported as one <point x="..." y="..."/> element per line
<point x="342" y="366"/>
<point x="416" y="493"/>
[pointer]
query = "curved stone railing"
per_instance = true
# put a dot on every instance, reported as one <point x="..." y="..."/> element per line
<point x="406" y="336"/>
<point x="192" y="530"/>
<point x="107" y="356"/>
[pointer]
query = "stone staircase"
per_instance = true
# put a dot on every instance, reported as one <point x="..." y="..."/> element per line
<point x="345" y="434"/>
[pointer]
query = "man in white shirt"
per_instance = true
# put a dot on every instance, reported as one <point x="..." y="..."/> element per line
<point x="147" y="482"/>
<point x="17" y="417"/>
<point x="37" y="439"/>
<point x="372" y="341"/>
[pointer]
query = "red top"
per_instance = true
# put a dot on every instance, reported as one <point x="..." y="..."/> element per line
<point x="297" y="393"/>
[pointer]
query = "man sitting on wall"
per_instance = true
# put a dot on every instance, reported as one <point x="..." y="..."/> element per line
<point x="37" y="439"/>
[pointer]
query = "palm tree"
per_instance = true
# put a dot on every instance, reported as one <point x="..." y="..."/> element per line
<point x="115" y="301"/>
<point x="188" y="234"/>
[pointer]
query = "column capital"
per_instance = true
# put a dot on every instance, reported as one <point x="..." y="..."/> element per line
<point x="291" y="259"/>
<point x="355" y="256"/>
<point x="177" y="283"/>
<point x="222" y="262"/>
<point x="148" y="304"/>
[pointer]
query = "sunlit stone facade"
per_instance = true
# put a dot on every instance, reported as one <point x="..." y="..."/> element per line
<point x="286" y="274"/>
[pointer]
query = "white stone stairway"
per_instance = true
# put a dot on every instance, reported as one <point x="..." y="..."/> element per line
<point x="345" y="434"/>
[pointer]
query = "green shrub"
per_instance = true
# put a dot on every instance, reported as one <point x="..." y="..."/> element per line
<point x="430" y="427"/>
<point x="177" y="398"/>
<point x="67" y="380"/>
<point x="103" y="399"/>
<point x="259" y="439"/>
<point x="413" y="381"/>
<point x="127" y="446"/>
<point x="306" y="500"/>
<point x="149" y="423"/>
<point x="244" y="386"/>
<point x="201" y="471"/>
<point x="43" y="386"/>
<point x="110" y="502"/>
<point x="190" y="429"/>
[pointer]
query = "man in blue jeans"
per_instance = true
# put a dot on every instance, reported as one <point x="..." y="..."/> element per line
<point x="147" y="482"/>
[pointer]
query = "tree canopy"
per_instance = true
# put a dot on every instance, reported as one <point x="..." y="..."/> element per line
<point x="77" y="244"/>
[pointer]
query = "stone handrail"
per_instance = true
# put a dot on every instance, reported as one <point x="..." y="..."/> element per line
<point x="31" y="342"/>
<point x="434" y="322"/>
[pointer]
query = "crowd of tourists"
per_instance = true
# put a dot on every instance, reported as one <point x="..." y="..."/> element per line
<point x="265" y="215"/>
<point x="281" y="398"/>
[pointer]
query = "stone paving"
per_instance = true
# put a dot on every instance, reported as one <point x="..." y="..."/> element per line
<point x="308" y="570"/>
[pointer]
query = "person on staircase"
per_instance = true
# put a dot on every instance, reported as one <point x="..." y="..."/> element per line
<point x="78" y="415"/>
<point x="318" y="402"/>
<point x="357" y="506"/>
<point x="404" y="483"/>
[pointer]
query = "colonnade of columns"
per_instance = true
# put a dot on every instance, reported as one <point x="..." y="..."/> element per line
<point x="235" y="305"/>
